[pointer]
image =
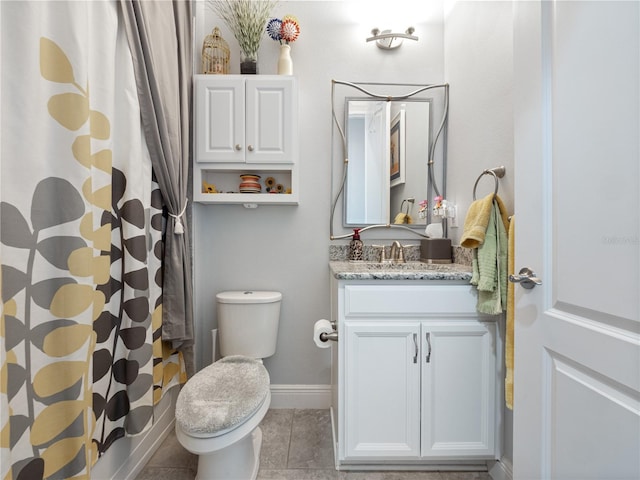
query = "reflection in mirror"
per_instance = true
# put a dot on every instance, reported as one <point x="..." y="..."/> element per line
<point x="406" y="194"/>
<point x="386" y="188"/>
<point x="368" y="137"/>
<point x="388" y="146"/>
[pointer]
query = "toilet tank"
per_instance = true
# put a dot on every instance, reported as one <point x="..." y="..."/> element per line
<point x="248" y="322"/>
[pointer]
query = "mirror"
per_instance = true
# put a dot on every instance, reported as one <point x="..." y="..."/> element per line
<point x="390" y="155"/>
<point x="387" y="148"/>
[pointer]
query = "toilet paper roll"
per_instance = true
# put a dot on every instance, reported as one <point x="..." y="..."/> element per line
<point x="321" y="326"/>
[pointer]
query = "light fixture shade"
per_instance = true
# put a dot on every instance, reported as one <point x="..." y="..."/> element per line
<point x="388" y="40"/>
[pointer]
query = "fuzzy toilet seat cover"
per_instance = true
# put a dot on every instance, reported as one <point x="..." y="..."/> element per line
<point x="222" y="395"/>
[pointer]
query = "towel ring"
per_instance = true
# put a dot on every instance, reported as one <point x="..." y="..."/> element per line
<point x="409" y="202"/>
<point x="497" y="172"/>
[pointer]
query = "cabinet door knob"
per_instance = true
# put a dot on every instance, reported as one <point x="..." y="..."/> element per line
<point x="415" y="344"/>
<point x="428" y="338"/>
<point x="238" y="147"/>
<point x="250" y="148"/>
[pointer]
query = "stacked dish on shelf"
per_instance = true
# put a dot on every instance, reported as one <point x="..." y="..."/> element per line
<point x="250" y="184"/>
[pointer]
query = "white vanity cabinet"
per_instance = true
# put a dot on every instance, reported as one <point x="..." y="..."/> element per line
<point x="417" y="375"/>
<point x="245" y="124"/>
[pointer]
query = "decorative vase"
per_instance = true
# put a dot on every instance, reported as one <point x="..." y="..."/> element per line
<point x="250" y="183"/>
<point x="249" y="63"/>
<point x="285" y="64"/>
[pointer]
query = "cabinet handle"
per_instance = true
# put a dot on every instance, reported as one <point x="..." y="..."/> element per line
<point x="238" y="147"/>
<point x="415" y="344"/>
<point x="428" y="337"/>
<point x="250" y="148"/>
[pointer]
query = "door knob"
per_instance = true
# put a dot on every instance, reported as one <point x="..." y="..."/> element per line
<point x="238" y="147"/>
<point x="527" y="278"/>
<point x="250" y="148"/>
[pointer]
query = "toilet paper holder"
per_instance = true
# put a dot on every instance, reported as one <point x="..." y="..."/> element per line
<point x="333" y="336"/>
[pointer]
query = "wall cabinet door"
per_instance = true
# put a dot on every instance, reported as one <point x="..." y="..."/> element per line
<point x="269" y="127"/>
<point x="219" y="128"/>
<point x="240" y="120"/>
<point x="382" y="390"/>
<point x="458" y="389"/>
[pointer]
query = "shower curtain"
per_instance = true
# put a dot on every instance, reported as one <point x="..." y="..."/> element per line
<point x="82" y="357"/>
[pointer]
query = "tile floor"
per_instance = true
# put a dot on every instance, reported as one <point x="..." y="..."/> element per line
<point x="297" y="445"/>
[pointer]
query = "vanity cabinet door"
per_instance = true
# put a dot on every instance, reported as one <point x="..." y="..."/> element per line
<point x="458" y="389"/>
<point x="382" y="390"/>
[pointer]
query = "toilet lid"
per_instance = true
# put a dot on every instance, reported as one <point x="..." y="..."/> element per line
<point x="222" y="395"/>
<point x="248" y="296"/>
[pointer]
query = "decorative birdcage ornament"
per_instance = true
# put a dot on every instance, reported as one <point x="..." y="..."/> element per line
<point x="215" y="53"/>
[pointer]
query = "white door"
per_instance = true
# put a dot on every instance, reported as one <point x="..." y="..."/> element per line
<point x="577" y="336"/>
<point x="458" y="389"/>
<point x="382" y="390"/>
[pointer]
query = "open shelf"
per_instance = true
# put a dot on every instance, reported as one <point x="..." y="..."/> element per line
<point x="227" y="181"/>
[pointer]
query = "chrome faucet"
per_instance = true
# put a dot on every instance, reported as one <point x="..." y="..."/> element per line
<point x="397" y="252"/>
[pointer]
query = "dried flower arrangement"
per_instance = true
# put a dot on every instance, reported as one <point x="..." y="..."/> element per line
<point x="246" y="19"/>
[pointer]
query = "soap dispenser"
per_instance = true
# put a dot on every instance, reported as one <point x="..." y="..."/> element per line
<point x="355" y="246"/>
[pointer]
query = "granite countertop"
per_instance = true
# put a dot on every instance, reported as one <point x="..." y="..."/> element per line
<point x="345" y="270"/>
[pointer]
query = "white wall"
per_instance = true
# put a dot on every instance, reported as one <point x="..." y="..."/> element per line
<point x="478" y="66"/>
<point x="478" y="50"/>
<point x="285" y="248"/>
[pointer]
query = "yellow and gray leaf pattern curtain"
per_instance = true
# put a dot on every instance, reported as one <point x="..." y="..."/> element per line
<point x="83" y="362"/>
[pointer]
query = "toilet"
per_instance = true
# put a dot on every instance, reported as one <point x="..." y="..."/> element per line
<point x="219" y="409"/>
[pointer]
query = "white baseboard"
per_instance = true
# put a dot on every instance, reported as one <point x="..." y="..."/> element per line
<point x="501" y="470"/>
<point x="300" y="396"/>
<point x="126" y="458"/>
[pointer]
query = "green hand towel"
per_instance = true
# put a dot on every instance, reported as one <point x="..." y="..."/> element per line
<point x="491" y="266"/>
<point x="487" y="256"/>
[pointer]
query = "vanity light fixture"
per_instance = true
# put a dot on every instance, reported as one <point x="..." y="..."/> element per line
<point x="388" y="40"/>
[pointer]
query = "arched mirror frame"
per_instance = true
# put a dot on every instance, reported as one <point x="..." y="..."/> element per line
<point x="338" y="132"/>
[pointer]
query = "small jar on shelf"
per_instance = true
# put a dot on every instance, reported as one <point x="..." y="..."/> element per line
<point x="250" y="183"/>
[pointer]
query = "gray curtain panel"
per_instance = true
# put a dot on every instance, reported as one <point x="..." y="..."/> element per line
<point x="159" y="36"/>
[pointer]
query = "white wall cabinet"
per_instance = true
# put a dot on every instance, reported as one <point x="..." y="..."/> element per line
<point x="417" y="376"/>
<point x="245" y="124"/>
